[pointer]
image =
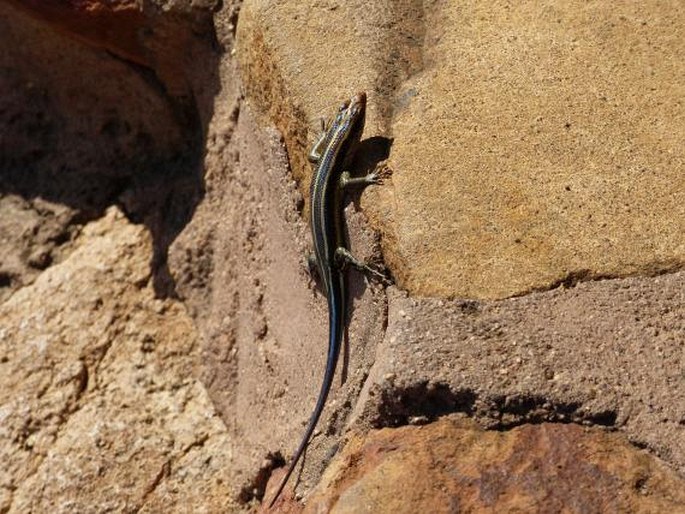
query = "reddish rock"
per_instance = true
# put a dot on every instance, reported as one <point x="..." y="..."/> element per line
<point x="452" y="466"/>
<point x="165" y="39"/>
<point x="117" y="26"/>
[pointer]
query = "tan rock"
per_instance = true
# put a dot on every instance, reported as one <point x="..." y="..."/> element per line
<point x="299" y="76"/>
<point x="100" y="410"/>
<point x="539" y="145"/>
<point x="452" y="466"/>
<point x="532" y="146"/>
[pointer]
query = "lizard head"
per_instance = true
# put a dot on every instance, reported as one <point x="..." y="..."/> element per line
<point x="349" y="123"/>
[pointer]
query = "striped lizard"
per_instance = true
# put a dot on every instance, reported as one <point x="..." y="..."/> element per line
<point x="331" y="154"/>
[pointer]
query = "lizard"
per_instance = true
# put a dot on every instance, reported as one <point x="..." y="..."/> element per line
<point x="331" y="154"/>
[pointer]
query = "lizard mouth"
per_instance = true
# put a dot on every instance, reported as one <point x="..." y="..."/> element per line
<point x="359" y="99"/>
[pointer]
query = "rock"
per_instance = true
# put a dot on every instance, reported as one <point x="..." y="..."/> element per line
<point x="33" y="235"/>
<point x="530" y="148"/>
<point x="135" y="32"/>
<point x="452" y="466"/>
<point x="91" y="420"/>
<point x="604" y="353"/>
<point x="84" y="130"/>
<point x="239" y="265"/>
<point x="161" y="345"/>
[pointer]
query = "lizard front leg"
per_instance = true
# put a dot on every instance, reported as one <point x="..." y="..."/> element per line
<point x="317" y="148"/>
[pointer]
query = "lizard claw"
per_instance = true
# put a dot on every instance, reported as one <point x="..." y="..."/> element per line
<point x="380" y="174"/>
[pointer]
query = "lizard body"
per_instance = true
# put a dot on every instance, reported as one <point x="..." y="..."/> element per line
<point x="331" y="154"/>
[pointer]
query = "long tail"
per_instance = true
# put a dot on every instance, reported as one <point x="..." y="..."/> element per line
<point x="335" y="338"/>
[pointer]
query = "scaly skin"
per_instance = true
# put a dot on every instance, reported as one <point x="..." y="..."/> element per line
<point x="331" y="153"/>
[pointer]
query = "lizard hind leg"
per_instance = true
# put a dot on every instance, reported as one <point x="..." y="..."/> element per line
<point x="343" y="257"/>
<point x="376" y="177"/>
<point x="313" y="266"/>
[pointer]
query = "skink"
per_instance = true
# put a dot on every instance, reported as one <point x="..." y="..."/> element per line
<point x="331" y="154"/>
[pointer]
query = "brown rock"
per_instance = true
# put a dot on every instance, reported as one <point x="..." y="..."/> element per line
<point x="134" y="31"/>
<point x="33" y="234"/>
<point x="452" y="466"/>
<point x="113" y="25"/>
<point x="82" y="129"/>
<point x="530" y="148"/>
<point x="240" y="266"/>
<point x="76" y="126"/>
<point x="99" y="407"/>
<point x="606" y="353"/>
<point x="102" y="408"/>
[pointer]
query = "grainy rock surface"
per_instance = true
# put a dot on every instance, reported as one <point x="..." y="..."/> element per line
<point x="608" y="353"/>
<point x="161" y="344"/>
<point x="250" y="293"/>
<point x="34" y="234"/>
<point x="99" y="405"/>
<point x="548" y="147"/>
<point x="531" y="145"/>
<point x="451" y="466"/>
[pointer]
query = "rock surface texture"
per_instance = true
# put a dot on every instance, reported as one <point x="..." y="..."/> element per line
<point x="454" y="467"/>
<point x="100" y="407"/>
<point x="161" y="343"/>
